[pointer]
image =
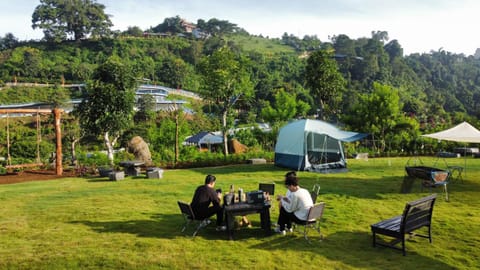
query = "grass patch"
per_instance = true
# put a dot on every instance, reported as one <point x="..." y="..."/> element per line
<point x="89" y="223"/>
<point x="260" y="44"/>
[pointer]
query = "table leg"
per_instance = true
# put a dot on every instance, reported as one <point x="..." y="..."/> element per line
<point x="265" y="221"/>
<point x="229" y="221"/>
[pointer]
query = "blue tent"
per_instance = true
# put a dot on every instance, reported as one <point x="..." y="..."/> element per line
<point x="312" y="145"/>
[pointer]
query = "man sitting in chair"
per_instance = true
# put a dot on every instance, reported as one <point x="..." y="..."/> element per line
<point x="205" y="196"/>
<point x="294" y="205"/>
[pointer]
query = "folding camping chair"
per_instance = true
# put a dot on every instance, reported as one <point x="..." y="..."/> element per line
<point x="189" y="217"/>
<point x="313" y="220"/>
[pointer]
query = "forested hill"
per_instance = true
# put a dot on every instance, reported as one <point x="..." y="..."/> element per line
<point x="434" y="87"/>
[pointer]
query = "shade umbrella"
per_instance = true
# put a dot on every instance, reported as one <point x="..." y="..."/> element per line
<point x="463" y="132"/>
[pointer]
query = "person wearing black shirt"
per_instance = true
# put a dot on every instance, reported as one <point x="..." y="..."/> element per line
<point x="206" y="202"/>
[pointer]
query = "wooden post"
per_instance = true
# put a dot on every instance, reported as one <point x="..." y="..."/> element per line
<point x="9" y="158"/>
<point x="57" y="113"/>
<point x="58" y="133"/>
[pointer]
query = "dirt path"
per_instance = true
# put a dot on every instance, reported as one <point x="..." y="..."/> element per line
<point x="34" y="175"/>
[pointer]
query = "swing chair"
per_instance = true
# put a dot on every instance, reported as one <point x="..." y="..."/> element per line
<point x="430" y="176"/>
<point x="37" y="163"/>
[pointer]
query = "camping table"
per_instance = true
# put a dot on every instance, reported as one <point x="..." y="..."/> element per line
<point x="243" y="209"/>
<point x="131" y="167"/>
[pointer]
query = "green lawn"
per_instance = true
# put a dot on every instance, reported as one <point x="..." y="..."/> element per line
<point x="259" y="44"/>
<point x="92" y="223"/>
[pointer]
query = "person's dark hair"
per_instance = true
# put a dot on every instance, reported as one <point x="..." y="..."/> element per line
<point x="291" y="179"/>
<point x="210" y="179"/>
<point x="291" y="173"/>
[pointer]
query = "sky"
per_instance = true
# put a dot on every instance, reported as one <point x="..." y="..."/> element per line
<point x="420" y="26"/>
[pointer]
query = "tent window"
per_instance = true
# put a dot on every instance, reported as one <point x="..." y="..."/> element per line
<point x="323" y="149"/>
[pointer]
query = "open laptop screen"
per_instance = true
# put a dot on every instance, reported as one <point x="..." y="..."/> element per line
<point x="269" y="188"/>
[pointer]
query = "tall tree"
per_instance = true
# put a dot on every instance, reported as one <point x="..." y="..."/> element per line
<point x="377" y="113"/>
<point x="62" y="19"/>
<point x="325" y="82"/>
<point x="224" y="80"/>
<point x="285" y="108"/>
<point x="172" y="72"/>
<point x="25" y="62"/>
<point x="171" y="25"/>
<point x="108" y="107"/>
<point x="8" y="41"/>
<point x="145" y="108"/>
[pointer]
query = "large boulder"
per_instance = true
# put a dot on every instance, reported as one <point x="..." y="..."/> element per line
<point x="236" y="147"/>
<point x="139" y="148"/>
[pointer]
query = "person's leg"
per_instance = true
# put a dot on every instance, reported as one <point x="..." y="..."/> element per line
<point x="213" y="210"/>
<point x="282" y="219"/>
<point x="293" y="218"/>
<point x="285" y="219"/>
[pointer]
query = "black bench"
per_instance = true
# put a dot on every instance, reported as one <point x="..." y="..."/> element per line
<point x="417" y="214"/>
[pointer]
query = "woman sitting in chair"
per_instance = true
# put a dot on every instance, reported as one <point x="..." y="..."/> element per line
<point x="294" y="205"/>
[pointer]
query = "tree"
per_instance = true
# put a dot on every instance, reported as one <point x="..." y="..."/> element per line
<point x="394" y="50"/>
<point x="134" y="31"/>
<point x="107" y="108"/>
<point x="25" y="61"/>
<point x="9" y="41"/>
<point x="224" y="80"/>
<point x="380" y="35"/>
<point x="377" y="113"/>
<point x="146" y="108"/>
<point x="172" y="72"/>
<point x="62" y="19"/>
<point x="285" y="108"/>
<point x="72" y="133"/>
<point x="325" y="82"/>
<point x="172" y="25"/>
<point x="218" y="27"/>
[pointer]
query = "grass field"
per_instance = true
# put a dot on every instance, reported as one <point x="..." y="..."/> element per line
<point x="92" y="223"/>
<point x="259" y="44"/>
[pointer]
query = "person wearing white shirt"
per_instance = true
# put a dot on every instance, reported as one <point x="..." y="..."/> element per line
<point x="294" y="205"/>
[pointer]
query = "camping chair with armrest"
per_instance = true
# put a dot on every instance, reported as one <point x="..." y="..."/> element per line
<point x="313" y="220"/>
<point x="189" y="217"/>
<point x="315" y="192"/>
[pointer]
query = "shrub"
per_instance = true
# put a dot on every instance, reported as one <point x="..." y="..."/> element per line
<point x="95" y="158"/>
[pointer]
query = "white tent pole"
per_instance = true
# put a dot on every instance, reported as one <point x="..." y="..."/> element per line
<point x="465" y="160"/>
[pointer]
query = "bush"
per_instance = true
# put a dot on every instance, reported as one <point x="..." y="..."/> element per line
<point x="95" y="158"/>
<point x="123" y="155"/>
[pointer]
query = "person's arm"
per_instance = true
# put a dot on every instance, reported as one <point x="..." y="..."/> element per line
<point x="214" y="197"/>
<point x="290" y="203"/>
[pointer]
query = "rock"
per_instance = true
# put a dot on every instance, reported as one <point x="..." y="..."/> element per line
<point x="138" y="147"/>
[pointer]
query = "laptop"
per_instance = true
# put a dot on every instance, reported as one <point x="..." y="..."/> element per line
<point x="268" y="188"/>
<point x="255" y="197"/>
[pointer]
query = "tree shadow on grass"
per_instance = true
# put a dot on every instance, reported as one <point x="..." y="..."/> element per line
<point x="344" y="184"/>
<point x="241" y="168"/>
<point x="355" y="249"/>
<point x="376" y="188"/>
<point x="166" y="226"/>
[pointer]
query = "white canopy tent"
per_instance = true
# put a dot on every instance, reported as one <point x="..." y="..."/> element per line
<point x="463" y="132"/>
